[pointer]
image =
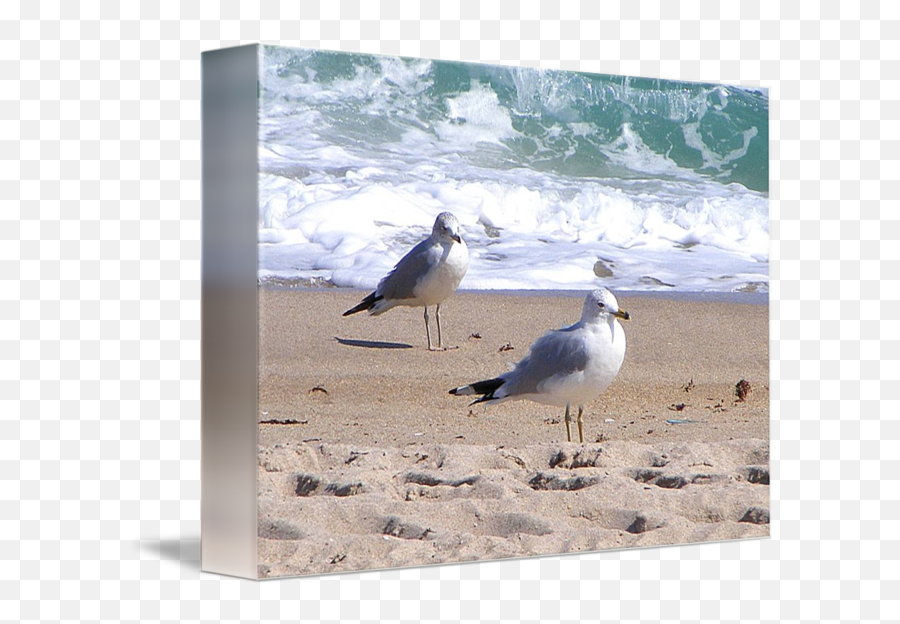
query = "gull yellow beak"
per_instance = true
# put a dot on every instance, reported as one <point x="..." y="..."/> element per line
<point x="456" y="238"/>
<point x="622" y="314"/>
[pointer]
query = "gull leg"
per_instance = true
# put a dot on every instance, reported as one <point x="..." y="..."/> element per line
<point x="440" y="339"/>
<point x="580" y="425"/>
<point x="568" y="425"/>
<point x="427" y="330"/>
<point x="438" y="314"/>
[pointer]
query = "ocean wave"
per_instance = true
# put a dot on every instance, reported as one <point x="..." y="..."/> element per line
<point x="584" y="125"/>
<point x="559" y="179"/>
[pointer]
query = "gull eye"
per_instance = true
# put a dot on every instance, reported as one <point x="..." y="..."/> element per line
<point x="601" y="304"/>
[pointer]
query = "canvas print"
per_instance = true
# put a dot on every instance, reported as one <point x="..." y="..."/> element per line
<point x="505" y="312"/>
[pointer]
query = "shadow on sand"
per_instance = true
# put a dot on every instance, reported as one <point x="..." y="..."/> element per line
<point x="372" y="344"/>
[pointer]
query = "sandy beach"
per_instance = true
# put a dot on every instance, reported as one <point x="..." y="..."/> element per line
<point x="366" y="461"/>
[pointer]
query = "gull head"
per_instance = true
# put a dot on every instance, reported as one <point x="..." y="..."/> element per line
<point x="601" y="304"/>
<point x="446" y="228"/>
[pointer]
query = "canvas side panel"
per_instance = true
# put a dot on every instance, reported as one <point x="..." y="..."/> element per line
<point x="229" y="311"/>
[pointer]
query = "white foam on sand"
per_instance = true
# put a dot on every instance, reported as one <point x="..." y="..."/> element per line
<point x="639" y="236"/>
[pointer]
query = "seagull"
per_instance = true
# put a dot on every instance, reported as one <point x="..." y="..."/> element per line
<point x="425" y="276"/>
<point x="572" y="365"/>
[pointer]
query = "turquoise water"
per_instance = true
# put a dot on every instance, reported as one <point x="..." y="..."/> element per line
<point x="572" y="123"/>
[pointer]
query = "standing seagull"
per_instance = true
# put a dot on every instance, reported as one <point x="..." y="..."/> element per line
<point x="574" y="364"/>
<point x="425" y="276"/>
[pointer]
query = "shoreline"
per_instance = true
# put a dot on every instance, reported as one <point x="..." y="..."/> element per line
<point x="740" y="298"/>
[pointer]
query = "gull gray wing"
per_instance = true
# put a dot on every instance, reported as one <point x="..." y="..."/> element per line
<point x="556" y="352"/>
<point x="402" y="280"/>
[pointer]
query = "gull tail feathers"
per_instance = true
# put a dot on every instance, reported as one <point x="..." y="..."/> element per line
<point x="368" y="303"/>
<point x="486" y="388"/>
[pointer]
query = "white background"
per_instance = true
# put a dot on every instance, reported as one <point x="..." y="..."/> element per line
<point x="100" y="309"/>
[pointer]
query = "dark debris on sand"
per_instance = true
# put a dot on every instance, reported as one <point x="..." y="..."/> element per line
<point x="742" y="389"/>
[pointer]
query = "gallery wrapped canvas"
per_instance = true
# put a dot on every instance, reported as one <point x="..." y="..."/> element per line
<point x="457" y="312"/>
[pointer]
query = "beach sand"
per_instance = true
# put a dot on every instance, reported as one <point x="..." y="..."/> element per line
<point x="366" y="461"/>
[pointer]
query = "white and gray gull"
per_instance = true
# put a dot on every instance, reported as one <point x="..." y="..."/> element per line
<point x="567" y="366"/>
<point x="426" y="276"/>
